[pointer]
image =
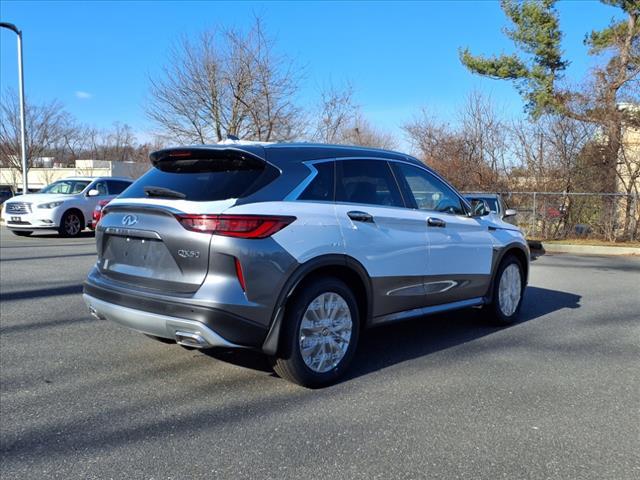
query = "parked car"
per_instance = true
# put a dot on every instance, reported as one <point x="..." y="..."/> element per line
<point x="496" y="204"/>
<point x="294" y="249"/>
<point x="6" y="192"/>
<point x="97" y="213"/>
<point x="65" y="205"/>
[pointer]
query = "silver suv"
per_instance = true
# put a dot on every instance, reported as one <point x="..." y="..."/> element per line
<point x="294" y="250"/>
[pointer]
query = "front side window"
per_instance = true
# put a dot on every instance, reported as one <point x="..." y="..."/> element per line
<point x="493" y="204"/>
<point x="368" y="182"/>
<point x="101" y="187"/>
<point x="426" y="191"/>
<point x="66" y="187"/>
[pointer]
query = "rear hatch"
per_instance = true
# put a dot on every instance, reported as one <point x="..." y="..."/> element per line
<point x="140" y="238"/>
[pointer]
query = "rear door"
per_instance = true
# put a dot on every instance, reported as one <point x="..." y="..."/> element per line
<point x="141" y="240"/>
<point x="460" y="247"/>
<point x="388" y="239"/>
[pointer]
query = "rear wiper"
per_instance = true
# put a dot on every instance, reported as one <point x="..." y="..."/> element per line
<point x="163" y="192"/>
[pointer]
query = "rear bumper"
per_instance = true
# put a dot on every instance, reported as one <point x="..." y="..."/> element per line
<point x="187" y="332"/>
<point x="157" y="314"/>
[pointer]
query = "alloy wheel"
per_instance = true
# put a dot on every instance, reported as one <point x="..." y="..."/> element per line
<point x="325" y="332"/>
<point x="72" y="224"/>
<point x="510" y="290"/>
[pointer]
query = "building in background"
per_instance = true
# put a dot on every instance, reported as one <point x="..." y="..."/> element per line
<point x="41" y="176"/>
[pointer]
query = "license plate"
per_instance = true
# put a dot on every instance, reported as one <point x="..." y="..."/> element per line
<point x="15" y="219"/>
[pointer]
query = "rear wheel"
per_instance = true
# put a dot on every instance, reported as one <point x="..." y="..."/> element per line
<point x="508" y="290"/>
<point x="22" y="233"/>
<point x="321" y="328"/>
<point x="71" y="224"/>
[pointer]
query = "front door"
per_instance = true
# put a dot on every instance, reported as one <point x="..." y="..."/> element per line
<point x="460" y="247"/>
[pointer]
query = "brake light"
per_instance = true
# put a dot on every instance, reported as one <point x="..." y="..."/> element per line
<point x="240" y="226"/>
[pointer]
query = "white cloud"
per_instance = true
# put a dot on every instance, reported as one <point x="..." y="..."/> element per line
<point x="83" y="95"/>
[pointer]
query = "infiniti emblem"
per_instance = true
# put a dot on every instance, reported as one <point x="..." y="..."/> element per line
<point x="129" y="220"/>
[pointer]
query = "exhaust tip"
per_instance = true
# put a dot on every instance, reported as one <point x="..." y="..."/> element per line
<point x="189" y="339"/>
<point x="94" y="313"/>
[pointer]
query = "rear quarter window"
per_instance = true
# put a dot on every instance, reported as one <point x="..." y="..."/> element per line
<point x="322" y="186"/>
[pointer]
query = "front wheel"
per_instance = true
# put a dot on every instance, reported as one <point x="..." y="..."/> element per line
<point x="70" y="224"/>
<point x="321" y="328"/>
<point x="508" y="290"/>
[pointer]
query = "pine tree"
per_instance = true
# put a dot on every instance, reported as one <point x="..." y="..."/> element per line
<point x="538" y="71"/>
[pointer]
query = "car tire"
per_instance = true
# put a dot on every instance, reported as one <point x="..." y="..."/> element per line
<point x="71" y="224"/>
<point x="303" y="325"/>
<point x="22" y="233"/>
<point x="508" y="292"/>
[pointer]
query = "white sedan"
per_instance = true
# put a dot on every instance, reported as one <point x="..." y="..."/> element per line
<point x="65" y="205"/>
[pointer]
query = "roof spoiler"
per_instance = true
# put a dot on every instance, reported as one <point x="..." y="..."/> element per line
<point x="234" y="155"/>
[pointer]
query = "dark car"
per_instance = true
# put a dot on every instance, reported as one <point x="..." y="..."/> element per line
<point x="496" y="204"/>
<point x="6" y="192"/>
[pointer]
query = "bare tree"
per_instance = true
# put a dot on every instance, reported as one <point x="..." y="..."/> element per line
<point x="362" y="133"/>
<point x="474" y="154"/>
<point x="47" y="127"/>
<point x="336" y="114"/>
<point x="227" y="82"/>
<point x="341" y="121"/>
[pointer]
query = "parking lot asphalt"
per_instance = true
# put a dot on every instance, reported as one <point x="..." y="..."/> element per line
<point x="555" y="396"/>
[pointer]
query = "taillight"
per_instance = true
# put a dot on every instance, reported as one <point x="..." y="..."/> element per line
<point x="241" y="226"/>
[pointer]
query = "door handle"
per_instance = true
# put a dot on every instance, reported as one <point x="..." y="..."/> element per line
<point x="436" y="222"/>
<point x="358" y="216"/>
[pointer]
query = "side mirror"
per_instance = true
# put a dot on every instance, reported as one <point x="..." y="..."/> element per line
<point x="93" y="193"/>
<point x="510" y="212"/>
<point x="479" y="208"/>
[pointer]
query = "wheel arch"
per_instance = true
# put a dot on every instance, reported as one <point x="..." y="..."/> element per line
<point x="516" y="249"/>
<point x="342" y="267"/>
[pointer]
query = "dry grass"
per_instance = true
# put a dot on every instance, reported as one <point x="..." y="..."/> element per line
<point x="588" y="241"/>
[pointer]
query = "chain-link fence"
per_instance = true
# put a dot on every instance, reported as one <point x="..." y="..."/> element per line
<point x="559" y="216"/>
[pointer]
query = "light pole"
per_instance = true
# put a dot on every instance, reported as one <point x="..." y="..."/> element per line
<point x="23" y="138"/>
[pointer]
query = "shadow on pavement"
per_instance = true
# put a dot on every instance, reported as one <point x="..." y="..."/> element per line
<point x="388" y="345"/>
<point x="42" y="293"/>
<point x="49" y="234"/>
<point x="45" y="257"/>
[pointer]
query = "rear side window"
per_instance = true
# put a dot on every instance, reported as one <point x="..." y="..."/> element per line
<point x="367" y="181"/>
<point x="116" y="187"/>
<point x="203" y="180"/>
<point x="322" y="185"/>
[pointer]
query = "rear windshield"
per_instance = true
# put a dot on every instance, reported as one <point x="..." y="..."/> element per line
<point x="203" y="180"/>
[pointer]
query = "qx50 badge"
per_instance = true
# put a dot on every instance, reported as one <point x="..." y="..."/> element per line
<point x="189" y="253"/>
<point x="129" y="220"/>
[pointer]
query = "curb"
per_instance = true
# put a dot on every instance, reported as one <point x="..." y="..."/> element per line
<point x="589" y="249"/>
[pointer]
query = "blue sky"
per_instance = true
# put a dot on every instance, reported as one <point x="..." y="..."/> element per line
<point x="96" y="57"/>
